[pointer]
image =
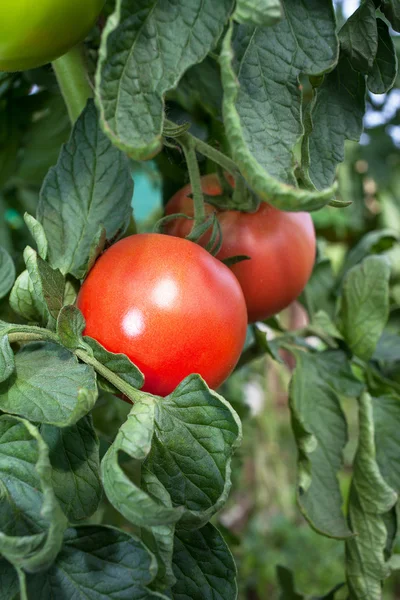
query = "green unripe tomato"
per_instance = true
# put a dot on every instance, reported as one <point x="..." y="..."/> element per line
<point x="35" y="32"/>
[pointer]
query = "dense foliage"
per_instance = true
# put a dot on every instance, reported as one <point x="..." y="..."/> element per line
<point x="101" y="498"/>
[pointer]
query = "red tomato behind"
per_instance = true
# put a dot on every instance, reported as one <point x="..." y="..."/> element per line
<point x="170" y="306"/>
<point x="281" y="246"/>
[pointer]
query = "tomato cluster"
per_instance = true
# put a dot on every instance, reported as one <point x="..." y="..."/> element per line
<point x="280" y="245"/>
<point x="33" y="33"/>
<point x="174" y="309"/>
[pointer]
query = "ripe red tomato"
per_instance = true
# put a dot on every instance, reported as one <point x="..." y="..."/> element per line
<point x="35" y="32"/>
<point x="170" y="306"/>
<point x="281" y="247"/>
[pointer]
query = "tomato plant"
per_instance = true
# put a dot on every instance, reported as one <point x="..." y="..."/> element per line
<point x="160" y="297"/>
<point x="150" y="498"/>
<point x="280" y="246"/>
<point x="35" y="33"/>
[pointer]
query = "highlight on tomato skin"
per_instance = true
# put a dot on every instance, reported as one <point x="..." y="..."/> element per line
<point x="170" y="306"/>
<point x="281" y="246"/>
<point x="33" y="33"/>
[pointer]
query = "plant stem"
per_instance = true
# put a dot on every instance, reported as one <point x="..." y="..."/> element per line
<point x="216" y="156"/>
<point x="113" y="378"/>
<point x="31" y="334"/>
<point x="195" y="179"/>
<point x="206" y="150"/>
<point x="73" y="80"/>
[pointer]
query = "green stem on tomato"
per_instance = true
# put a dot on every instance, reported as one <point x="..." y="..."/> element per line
<point x="206" y="150"/>
<point x="73" y="80"/>
<point x="195" y="179"/>
<point x="113" y="378"/>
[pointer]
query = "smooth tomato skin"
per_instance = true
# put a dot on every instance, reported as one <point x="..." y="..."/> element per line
<point x="35" y="32"/>
<point x="170" y="306"/>
<point x="281" y="246"/>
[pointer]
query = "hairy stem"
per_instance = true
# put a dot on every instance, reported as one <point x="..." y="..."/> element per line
<point x="113" y="378"/>
<point x="195" y="179"/>
<point x="206" y="150"/>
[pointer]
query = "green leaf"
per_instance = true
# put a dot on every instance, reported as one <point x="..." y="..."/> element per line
<point x="391" y="10"/>
<point x="374" y="242"/>
<point x="146" y="48"/>
<point x="134" y="439"/>
<point x="320" y="429"/>
<point x="7" y="272"/>
<point x="359" y="37"/>
<point x="383" y="73"/>
<point x="31" y="521"/>
<point x="287" y="584"/>
<point x="38" y="234"/>
<point x="262" y="97"/>
<point x="386" y="413"/>
<point x="319" y="293"/>
<point x="203" y="566"/>
<point x="364" y="307"/>
<point x="48" y="283"/>
<point x="7" y="364"/>
<point x="74" y="457"/>
<point x="49" y="386"/>
<point x="9" y="584"/>
<point x="196" y="434"/>
<point x="388" y="347"/>
<point x="258" y="12"/>
<point x="160" y="538"/>
<point x="119" y="364"/>
<point x="334" y="115"/>
<point x="70" y="326"/>
<point x="288" y="589"/>
<point x="25" y="302"/>
<point x="97" y="563"/>
<point x="40" y="150"/>
<point x="90" y="186"/>
<point x="370" y="499"/>
<point x="200" y="86"/>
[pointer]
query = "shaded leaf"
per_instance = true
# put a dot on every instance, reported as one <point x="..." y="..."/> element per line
<point x="91" y="185"/>
<point x="334" y="115"/>
<point x="359" y="37"/>
<point x="31" y="521"/>
<point x="386" y="414"/>
<point x="364" y="307"/>
<point x="74" y="457"/>
<point x="25" y="302"/>
<point x="370" y="499"/>
<point x="383" y="73"/>
<point x="97" y="563"/>
<point x="7" y="364"/>
<point x="70" y="326"/>
<point x="319" y="293"/>
<point x="320" y="429"/>
<point x="7" y="272"/>
<point x="49" y="386"/>
<point x="203" y="566"/>
<point x="374" y="242"/>
<point x="391" y="10"/>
